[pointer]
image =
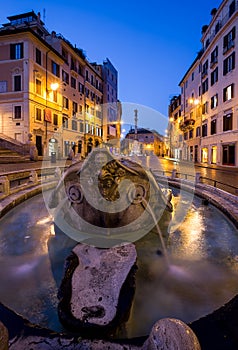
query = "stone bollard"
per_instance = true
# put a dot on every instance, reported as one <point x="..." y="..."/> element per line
<point x="58" y="173"/>
<point x="3" y="337"/>
<point x="197" y="178"/>
<point x="171" y="334"/>
<point x="174" y="174"/>
<point x="33" y="177"/>
<point x="4" y="186"/>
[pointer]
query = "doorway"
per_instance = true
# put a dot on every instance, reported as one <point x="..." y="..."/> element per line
<point x="39" y="145"/>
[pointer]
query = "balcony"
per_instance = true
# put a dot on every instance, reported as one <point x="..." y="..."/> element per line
<point x="187" y="125"/>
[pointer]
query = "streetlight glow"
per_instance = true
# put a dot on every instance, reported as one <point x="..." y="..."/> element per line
<point x="54" y="86"/>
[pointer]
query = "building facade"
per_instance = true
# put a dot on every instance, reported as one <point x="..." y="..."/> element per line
<point x="209" y="94"/>
<point x="48" y="89"/>
<point x="142" y="141"/>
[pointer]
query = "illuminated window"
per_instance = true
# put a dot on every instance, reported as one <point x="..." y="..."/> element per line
<point x="38" y="114"/>
<point x="228" y="93"/>
<point x="38" y="86"/>
<point x="214" y="101"/>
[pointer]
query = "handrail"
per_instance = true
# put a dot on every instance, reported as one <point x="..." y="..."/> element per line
<point x="215" y="183"/>
<point x="15" y="181"/>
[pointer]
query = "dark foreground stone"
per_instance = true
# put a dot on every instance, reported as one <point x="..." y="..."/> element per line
<point x="219" y="330"/>
<point x="25" y="336"/>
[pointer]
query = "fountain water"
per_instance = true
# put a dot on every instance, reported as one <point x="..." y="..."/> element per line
<point x="198" y="257"/>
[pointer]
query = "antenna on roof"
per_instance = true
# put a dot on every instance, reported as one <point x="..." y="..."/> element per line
<point x="44" y="15"/>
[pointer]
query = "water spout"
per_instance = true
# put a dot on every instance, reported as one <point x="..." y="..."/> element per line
<point x="149" y="209"/>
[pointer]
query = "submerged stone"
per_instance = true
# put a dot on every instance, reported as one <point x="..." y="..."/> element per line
<point x="98" y="288"/>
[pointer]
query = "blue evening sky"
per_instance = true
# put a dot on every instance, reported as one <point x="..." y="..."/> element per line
<point x="151" y="43"/>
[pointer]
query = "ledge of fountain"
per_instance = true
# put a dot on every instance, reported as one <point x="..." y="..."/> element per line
<point x="224" y="201"/>
<point x="97" y="290"/>
<point x="217" y="330"/>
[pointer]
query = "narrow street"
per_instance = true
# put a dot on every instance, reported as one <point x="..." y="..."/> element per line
<point x="209" y="173"/>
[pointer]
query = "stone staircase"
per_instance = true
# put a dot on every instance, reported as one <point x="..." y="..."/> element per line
<point x="11" y="150"/>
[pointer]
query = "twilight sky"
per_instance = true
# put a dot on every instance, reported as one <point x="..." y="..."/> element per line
<point x="151" y="43"/>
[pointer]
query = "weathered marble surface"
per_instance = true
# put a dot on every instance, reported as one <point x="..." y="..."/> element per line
<point x="96" y="287"/>
<point x="171" y="334"/>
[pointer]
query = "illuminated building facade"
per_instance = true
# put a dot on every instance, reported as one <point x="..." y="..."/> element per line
<point x="48" y="89"/>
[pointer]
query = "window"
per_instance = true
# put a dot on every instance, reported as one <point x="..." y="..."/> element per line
<point x="227" y="122"/>
<point x="65" y="54"/>
<point x="17" y="112"/>
<point x="73" y="82"/>
<point x="65" y="77"/>
<point x="214" y="76"/>
<point x="92" y="80"/>
<point x="3" y="86"/>
<point x="205" y="86"/>
<point x="214" y="101"/>
<point x="55" y="69"/>
<point x="65" y="121"/>
<point x="232" y="8"/>
<point x="205" y="108"/>
<point x="81" y="129"/>
<point x="55" y="95"/>
<point x="214" y="57"/>
<point x="86" y="77"/>
<point x="185" y="136"/>
<point x="229" y="63"/>
<point x="38" y="86"/>
<point x="228" y="154"/>
<point x="87" y="108"/>
<point x="80" y="71"/>
<point x="204" y="69"/>
<point x="38" y="114"/>
<point x="86" y="92"/>
<point x="16" y="51"/>
<point x="74" y="125"/>
<point x="204" y="130"/>
<point x="81" y="88"/>
<point x="38" y="56"/>
<point x="80" y="109"/>
<point x="198" y="131"/>
<point x="75" y="108"/>
<point x="213" y="126"/>
<point x="191" y="133"/>
<point x="65" y="102"/>
<point x="73" y="64"/>
<point x="228" y="93"/>
<point x="228" y="40"/>
<point x="17" y="82"/>
<point x="55" y="119"/>
<point x="217" y="27"/>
